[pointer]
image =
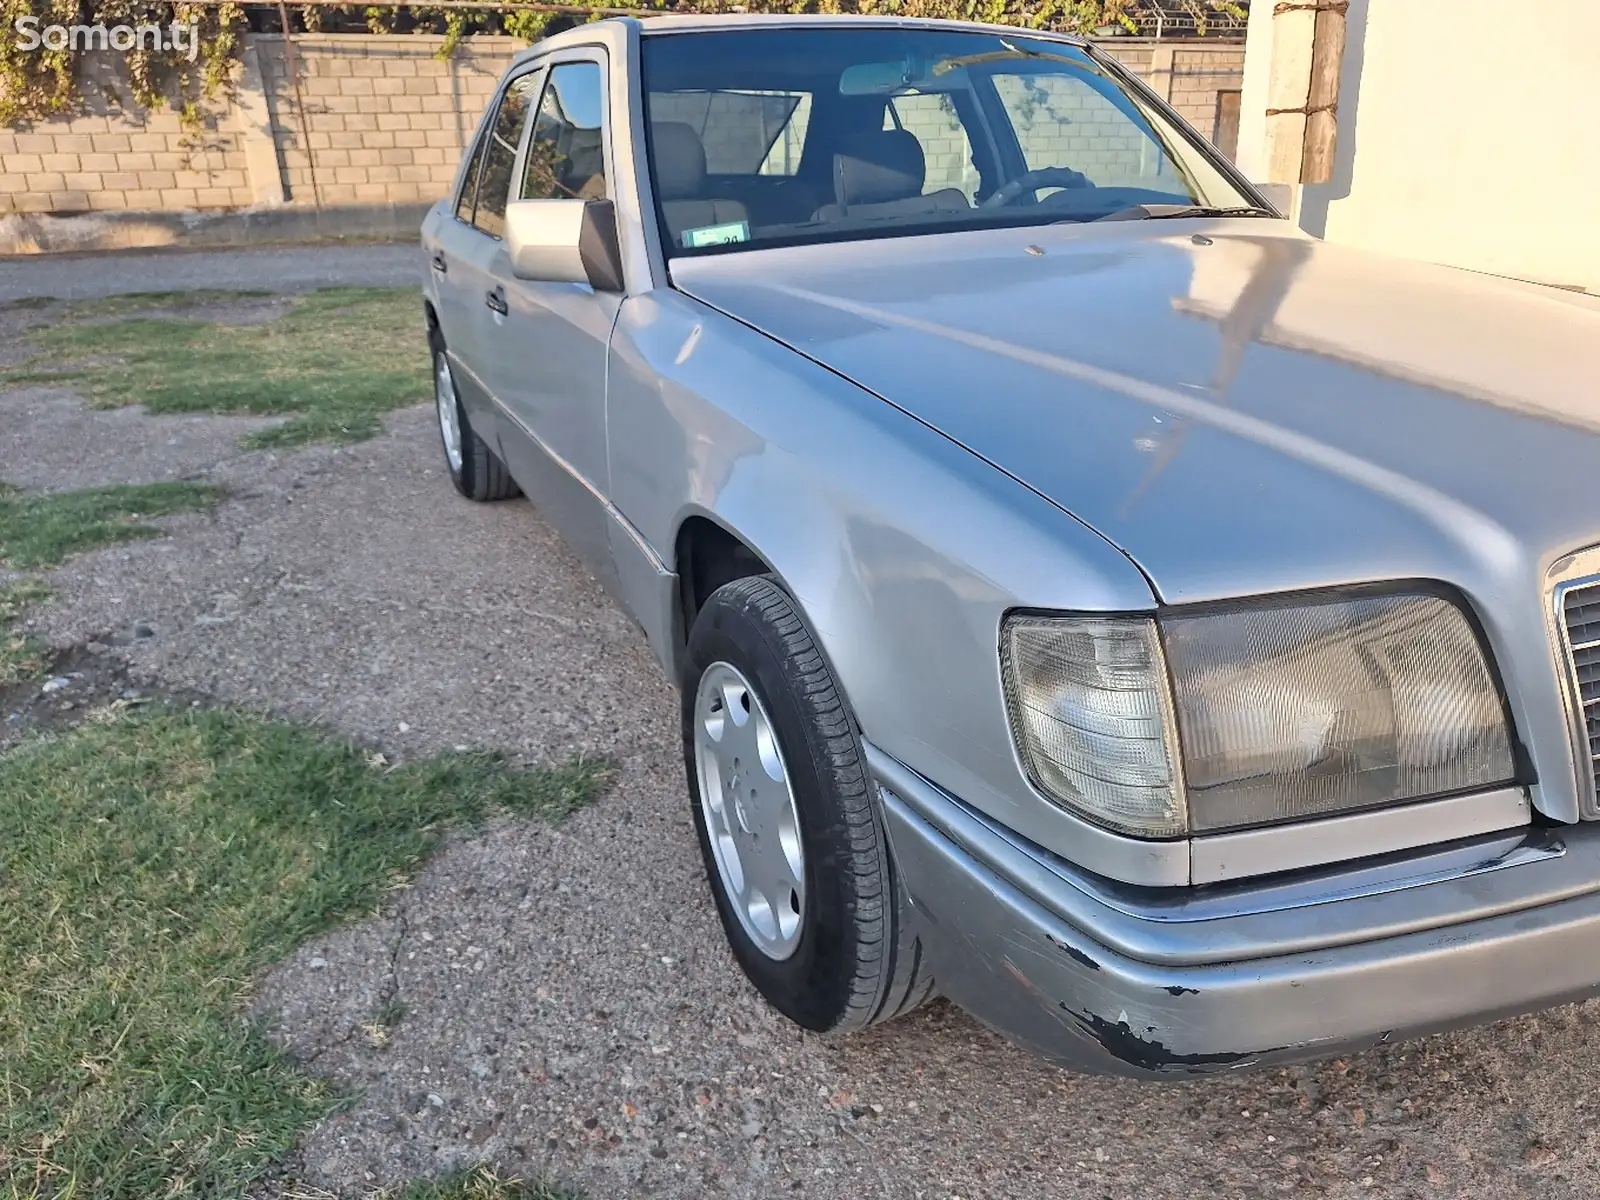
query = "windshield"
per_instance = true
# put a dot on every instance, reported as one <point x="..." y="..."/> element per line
<point x="783" y="136"/>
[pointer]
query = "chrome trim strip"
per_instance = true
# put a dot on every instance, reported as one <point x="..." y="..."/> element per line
<point x="611" y="509"/>
<point x="1577" y="570"/>
<point x="1222" y="856"/>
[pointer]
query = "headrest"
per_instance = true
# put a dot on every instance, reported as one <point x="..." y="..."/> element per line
<point x="879" y="166"/>
<point x="680" y="160"/>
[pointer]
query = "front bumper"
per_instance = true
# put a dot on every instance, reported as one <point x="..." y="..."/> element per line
<point x="1149" y="984"/>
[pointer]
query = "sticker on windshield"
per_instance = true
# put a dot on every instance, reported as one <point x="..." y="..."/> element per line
<point x="717" y="235"/>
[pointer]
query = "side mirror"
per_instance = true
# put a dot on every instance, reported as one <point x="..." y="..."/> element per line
<point x="565" y="241"/>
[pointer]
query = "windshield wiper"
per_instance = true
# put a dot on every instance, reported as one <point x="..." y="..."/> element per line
<point x="1164" y="212"/>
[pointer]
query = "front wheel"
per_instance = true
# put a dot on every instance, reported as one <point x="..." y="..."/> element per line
<point x="794" y="848"/>
<point x="478" y="474"/>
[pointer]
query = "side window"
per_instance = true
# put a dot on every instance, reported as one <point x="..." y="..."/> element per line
<point x="566" y="156"/>
<point x="1064" y="121"/>
<point x="500" y="155"/>
<point x="931" y="118"/>
<point x="743" y="133"/>
<point x="468" y="199"/>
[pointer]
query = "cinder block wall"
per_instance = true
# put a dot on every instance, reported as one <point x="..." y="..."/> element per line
<point x="381" y="121"/>
<point x="119" y="158"/>
<point x="385" y="118"/>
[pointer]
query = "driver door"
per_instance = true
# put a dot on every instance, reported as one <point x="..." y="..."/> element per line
<point x="549" y="373"/>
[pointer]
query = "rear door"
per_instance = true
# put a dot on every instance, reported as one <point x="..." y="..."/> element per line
<point x="549" y="361"/>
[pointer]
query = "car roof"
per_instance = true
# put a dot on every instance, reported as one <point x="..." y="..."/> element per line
<point x="670" y="23"/>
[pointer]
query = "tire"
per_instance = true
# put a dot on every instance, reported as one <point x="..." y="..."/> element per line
<point x="853" y="960"/>
<point x="478" y="474"/>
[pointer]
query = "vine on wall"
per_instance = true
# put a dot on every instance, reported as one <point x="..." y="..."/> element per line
<point x="51" y="80"/>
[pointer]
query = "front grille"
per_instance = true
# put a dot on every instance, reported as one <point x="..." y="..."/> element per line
<point x="1581" y="612"/>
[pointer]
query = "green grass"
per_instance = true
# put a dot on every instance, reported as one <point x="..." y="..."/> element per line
<point x="151" y="863"/>
<point x="480" y="1183"/>
<point x="40" y="529"/>
<point x="333" y="363"/>
<point x="22" y="657"/>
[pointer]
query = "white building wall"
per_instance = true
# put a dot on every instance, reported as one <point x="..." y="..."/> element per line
<point x="1464" y="135"/>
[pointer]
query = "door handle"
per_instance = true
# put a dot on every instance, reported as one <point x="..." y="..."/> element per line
<point x="496" y="299"/>
<point x="440" y="265"/>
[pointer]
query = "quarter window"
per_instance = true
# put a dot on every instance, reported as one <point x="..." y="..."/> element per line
<point x="469" y="182"/>
<point x="500" y="155"/>
<point x="566" y="156"/>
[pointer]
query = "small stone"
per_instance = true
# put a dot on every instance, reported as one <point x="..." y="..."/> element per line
<point x="1539" y="1156"/>
<point x="55" y="685"/>
<point x="318" y="963"/>
<point x="750" y="1128"/>
<point x="1435" y="1175"/>
<point x="435" y="1099"/>
<point x="481" y="1070"/>
<point x="404" y="728"/>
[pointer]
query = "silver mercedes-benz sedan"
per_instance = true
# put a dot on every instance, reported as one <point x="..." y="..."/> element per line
<point x="1171" y="638"/>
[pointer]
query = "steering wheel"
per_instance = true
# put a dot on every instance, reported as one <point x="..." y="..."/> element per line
<point x="1057" y="177"/>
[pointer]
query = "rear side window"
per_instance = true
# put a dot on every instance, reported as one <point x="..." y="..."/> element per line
<point x="566" y="156"/>
<point x="500" y="155"/>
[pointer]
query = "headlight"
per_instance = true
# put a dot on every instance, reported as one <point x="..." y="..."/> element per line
<point x="1092" y="718"/>
<point x="1284" y="711"/>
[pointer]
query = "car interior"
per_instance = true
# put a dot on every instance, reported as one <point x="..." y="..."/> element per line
<point x="853" y="164"/>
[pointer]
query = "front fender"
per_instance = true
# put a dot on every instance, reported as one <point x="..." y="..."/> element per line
<point x="903" y="549"/>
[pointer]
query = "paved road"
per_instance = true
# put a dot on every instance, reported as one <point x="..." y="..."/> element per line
<point x="570" y="1003"/>
<point x="278" y="268"/>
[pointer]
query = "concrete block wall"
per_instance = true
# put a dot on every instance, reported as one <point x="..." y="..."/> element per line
<point x="385" y="118"/>
<point x="1196" y="78"/>
<point x="115" y="157"/>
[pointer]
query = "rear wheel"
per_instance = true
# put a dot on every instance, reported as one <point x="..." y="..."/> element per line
<point x="793" y="843"/>
<point x="474" y="468"/>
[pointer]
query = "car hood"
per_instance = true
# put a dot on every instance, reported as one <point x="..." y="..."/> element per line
<point x="1237" y="407"/>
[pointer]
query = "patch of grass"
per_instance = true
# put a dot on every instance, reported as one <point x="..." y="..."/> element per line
<point x="40" y="529"/>
<point x="22" y="657"/>
<point x="480" y="1183"/>
<point x="150" y="865"/>
<point x="334" y="362"/>
<point x="28" y="303"/>
<point x="128" y="303"/>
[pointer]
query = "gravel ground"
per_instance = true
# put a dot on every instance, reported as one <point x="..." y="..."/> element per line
<point x="568" y="1003"/>
<point x="279" y="268"/>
